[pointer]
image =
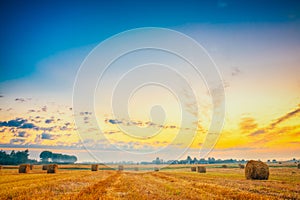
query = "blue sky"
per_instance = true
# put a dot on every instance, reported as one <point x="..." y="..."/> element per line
<point x="255" y="44"/>
<point x="34" y="30"/>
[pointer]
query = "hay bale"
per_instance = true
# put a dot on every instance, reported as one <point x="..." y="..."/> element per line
<point x="156" y="169"/>
<point x="94" y="167"/>
<point x="24" y="168"/>
<point x="136" y="169"/>
<point x="45" y="167"/>
<point x="201" y="169"/>
<point x="298" y="166"/>
<point x="1" y="167"/>
<point x="52" y="169"/>
<point x="256" y="170"/>
<point x="31" y="167"/>
<point x="224" y="166"/>
<point x="241" y="166"/>
<point x="193" y="169"/>
<point x="120" y="167"/>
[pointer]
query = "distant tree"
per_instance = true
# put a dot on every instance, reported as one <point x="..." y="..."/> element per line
<point x="73" y="159"/>
<point x="211" y="160"/>
<point x="195" y="161"/>
<point x="4" y="158"/>
<point x="45" y="156"/>
<point x="14" y="158"/>
<point x="55" y="157"/>
<point x="188" y="160"/>
<point x="157" y="161"/>
<point x="21" y="156"/>
<point x="202" y="161"/>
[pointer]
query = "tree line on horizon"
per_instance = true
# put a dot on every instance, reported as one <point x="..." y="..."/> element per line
<point x="189" y="160"/>
<point x="21" y="157"/>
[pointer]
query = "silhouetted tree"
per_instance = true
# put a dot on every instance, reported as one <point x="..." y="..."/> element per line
<point x="157" y="161"/>
<point x="14" y="158"/>
<point x="45" y="156"/>
<point x="195" y="161"/>
<point x="188" y="160"/>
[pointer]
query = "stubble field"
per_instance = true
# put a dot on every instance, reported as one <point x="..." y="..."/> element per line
<point x="174" y="182"/>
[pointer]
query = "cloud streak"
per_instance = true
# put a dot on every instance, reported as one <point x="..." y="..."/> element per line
<point x="286" y="117"/>
<point x="18" y="123"/>
<point x="276" y="122"/>
<point x="48" y="136"/>
<point x="139" y="123"/>
<point x="247" y="124"/>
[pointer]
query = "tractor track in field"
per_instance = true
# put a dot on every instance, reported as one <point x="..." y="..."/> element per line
<point x="99" y="189"/>
<point x="241" y="186"/>
<point x="158" y="185"/>
<point x="209" y="190"/>
<point x="167" y="185"/>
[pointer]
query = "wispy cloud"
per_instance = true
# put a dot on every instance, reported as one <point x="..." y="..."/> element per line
<point x="20" y="99"/>
<point x="48" y="121"/>
<point x="247" y="124"/>
<point x="48" y="136"/>
<point x="286" y="117"/>
<point x="22" y="134"/>
<point x="18" y="123"/>
<point x="17" y="141"/>
<point x="139" y="123"/>
<point x="44" y="108"/>
<point x="276" y="122"/>
<point x="236" y="71"/>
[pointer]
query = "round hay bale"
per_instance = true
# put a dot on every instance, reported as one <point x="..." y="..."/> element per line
<point x="24" y="168"/>
<point x="120" y="167"/>
<point x="193" y="169"/>
<point x="45" y="167"/>
<point x="136" y="169"/>
<point x="94" y="167"/>
<point x="201" y="169"/>
<point x="224" y="166"/>
<point x="156" y="169"/>
<point x="257" y="170"/>
<point x="298" y="165"/>
<point x="241" y="166"/>
<point x="52" y="169"/>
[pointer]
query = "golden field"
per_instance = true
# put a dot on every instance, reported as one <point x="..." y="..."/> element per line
<point x="173" y="182"/>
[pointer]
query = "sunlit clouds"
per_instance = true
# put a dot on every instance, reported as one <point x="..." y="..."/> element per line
<point x="257" y="59"/>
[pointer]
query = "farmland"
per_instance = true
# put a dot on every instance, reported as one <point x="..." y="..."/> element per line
<point x="173" y="182"/>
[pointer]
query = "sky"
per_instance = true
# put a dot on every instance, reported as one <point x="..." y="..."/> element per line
<point x="254" y="45"/>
